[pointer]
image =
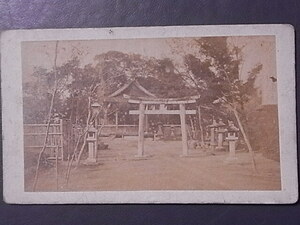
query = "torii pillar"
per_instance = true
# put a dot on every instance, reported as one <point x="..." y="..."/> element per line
<point x="161" y="111"/>
<point x="141" y="130"/>
<point x="183" y="130"/>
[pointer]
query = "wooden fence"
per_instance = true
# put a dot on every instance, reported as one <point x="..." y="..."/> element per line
<point x="64" y="135"/>
<point x="58" y="137"/>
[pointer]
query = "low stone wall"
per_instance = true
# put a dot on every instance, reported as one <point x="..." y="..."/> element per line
<point x="129" y="130"/>
<point x="132" y="130"/>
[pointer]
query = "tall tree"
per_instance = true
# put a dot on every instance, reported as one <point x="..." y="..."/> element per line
<point x="216" y="76"/>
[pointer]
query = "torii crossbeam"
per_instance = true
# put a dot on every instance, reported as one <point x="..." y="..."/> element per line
<point x="162" y="102"/>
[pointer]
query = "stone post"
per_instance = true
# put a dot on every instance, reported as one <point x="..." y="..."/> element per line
<point x="220" y="131"/>
<point x="212" y="136"/>
<point x="92" y="146"/>
<point x="220" y="139"/>
<point x="232" y="138"/>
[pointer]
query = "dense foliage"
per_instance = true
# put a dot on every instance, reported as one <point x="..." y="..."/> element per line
<point x="213" y="74"/>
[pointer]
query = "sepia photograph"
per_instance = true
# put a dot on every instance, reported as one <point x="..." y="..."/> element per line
<point x="164" y="113"/>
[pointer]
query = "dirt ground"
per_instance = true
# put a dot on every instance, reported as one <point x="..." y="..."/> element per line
<point x="163" y="169"/>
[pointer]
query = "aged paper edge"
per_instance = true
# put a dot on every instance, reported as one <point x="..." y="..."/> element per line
<point x="12" y="116"/>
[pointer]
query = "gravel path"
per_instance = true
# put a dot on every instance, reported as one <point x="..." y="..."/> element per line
<point x="164" y="169"/>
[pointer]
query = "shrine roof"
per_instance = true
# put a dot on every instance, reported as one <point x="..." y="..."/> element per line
<point x="133" y="85"/>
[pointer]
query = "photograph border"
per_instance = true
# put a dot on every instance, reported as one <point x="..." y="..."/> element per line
<point x="12" y="116"/>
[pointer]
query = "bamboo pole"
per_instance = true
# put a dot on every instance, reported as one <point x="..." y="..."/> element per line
<point x="86" y="132"/>
<point x="74" y="153"/>
<point x="68" y="163"/>
<point x="56" y="167"/>
<point x="85" y="137"/>
<point x="48" y="123"/>
<point x="72" y="159"/>
<point x="246" y="139"/>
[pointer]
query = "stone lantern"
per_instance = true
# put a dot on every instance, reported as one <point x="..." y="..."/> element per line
<point x="212" y="128"/>
<point x="232" y="137"/>
<point x="172" y="133"/>
<point x="92" y="137"/>
<point x="220" y="131"/>
<point x="160" y="133"/>
<point x="92" y="145"/>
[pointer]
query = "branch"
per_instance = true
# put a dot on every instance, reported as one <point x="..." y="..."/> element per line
<point x="188" y="75"/>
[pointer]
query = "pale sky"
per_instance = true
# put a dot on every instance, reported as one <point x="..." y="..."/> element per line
<point x="257" y="49"/>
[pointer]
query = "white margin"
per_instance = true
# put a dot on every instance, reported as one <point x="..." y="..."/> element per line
<point x="12" y="116"/>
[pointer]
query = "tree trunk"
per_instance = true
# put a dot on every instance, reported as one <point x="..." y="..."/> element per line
<point x="192" y="128"/>
<point x="105" y="119"/>
<point x="200" y="126"/>
<point x="245" y="138"/>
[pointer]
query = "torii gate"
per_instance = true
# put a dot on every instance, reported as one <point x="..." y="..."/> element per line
<point x="162" y="102"/>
